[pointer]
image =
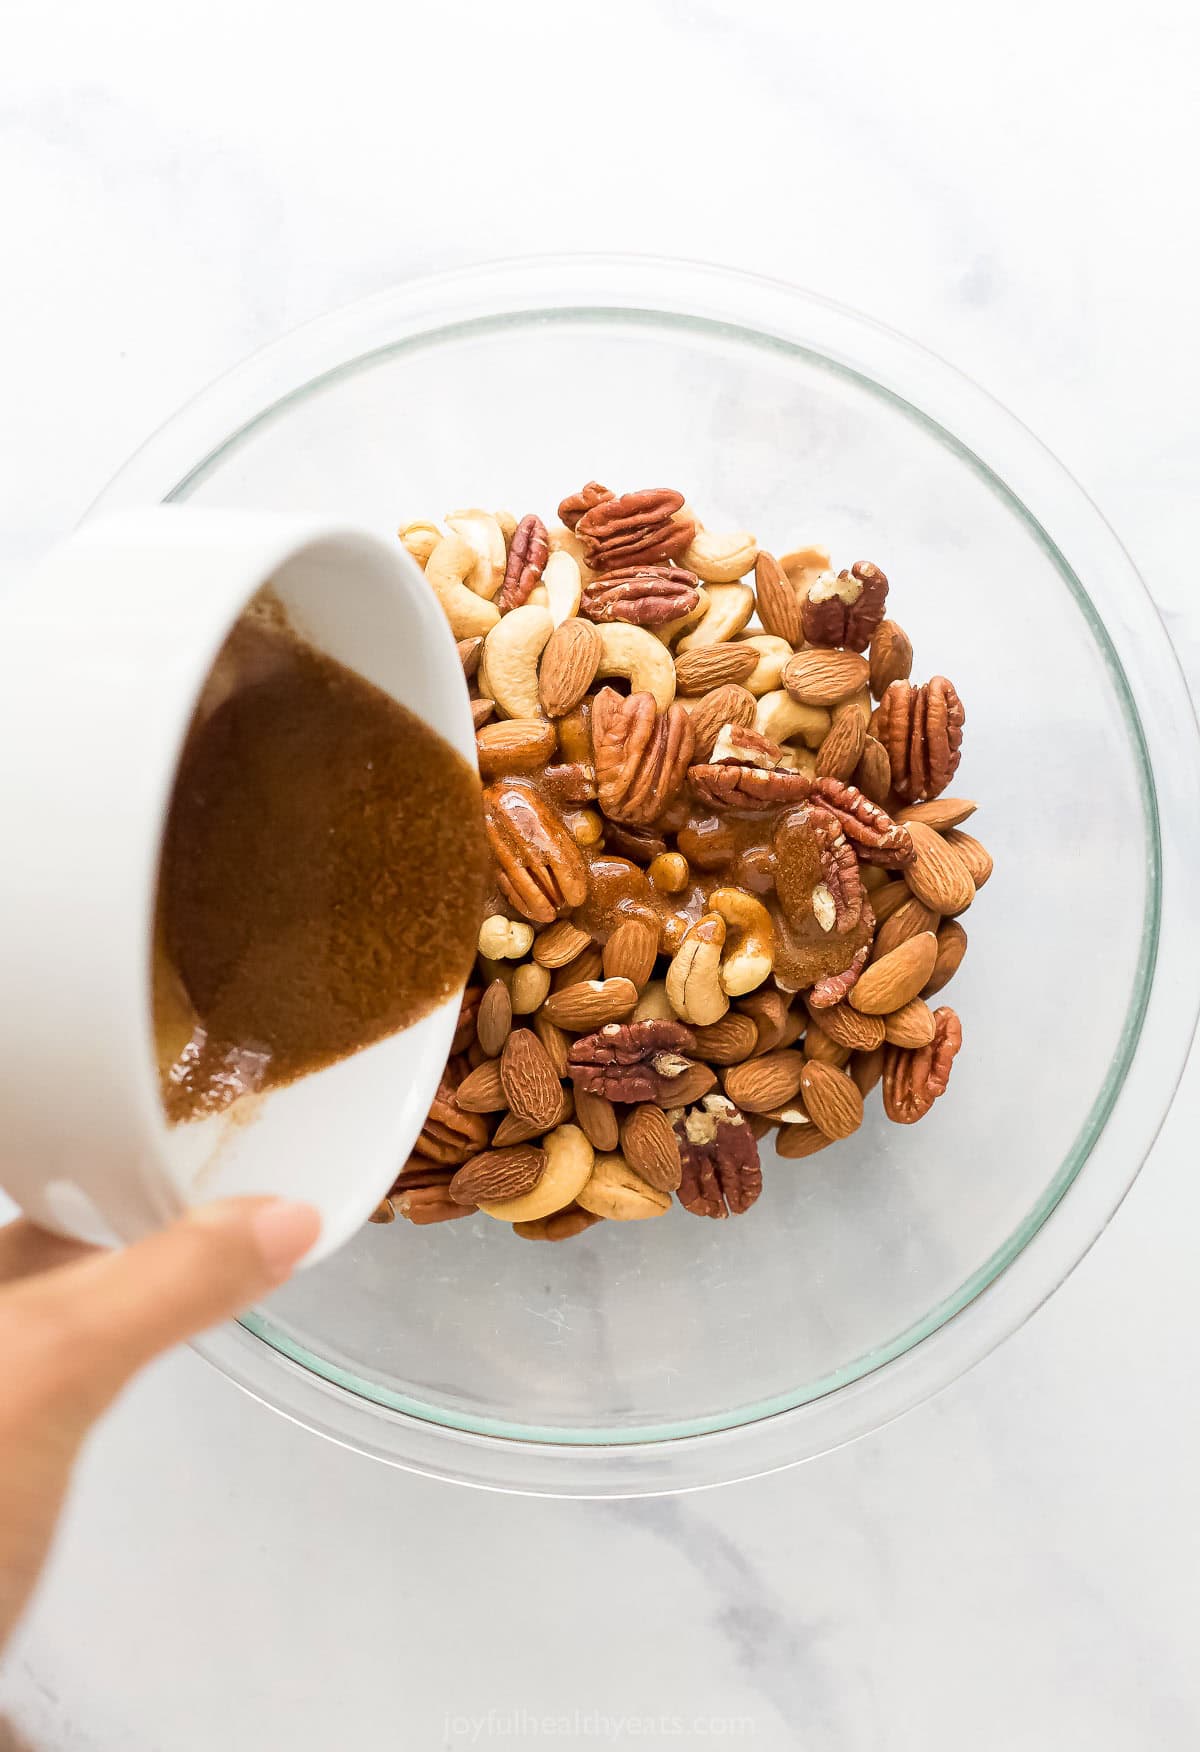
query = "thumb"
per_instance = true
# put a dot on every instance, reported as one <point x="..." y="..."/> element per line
<point x="92" y="1324"/>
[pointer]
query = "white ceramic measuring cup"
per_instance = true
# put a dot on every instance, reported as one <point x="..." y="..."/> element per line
<point x="103" y="653"/>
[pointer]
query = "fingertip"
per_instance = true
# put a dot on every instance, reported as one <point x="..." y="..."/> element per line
<point x="281" y="1231"/>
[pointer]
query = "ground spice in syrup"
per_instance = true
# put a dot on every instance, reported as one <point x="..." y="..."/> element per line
<point x="322" y="874"/>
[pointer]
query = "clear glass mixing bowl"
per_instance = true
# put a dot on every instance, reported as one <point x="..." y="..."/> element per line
<point x="663" y="1356"/>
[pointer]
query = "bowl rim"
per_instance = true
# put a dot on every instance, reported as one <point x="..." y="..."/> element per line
<point x="1048" y="497"/>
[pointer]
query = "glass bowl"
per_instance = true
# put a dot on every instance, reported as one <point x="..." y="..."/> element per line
<point x="663" y="1356"/>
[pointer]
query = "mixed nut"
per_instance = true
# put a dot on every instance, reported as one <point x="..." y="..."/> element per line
<point x="723" y="892"/>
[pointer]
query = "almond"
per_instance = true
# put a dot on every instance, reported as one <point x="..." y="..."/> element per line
<point x="975" y="856"/>
<point x="690" y="1085"/>
<point x="554" y="1040"/>
<point x="937" y="875"/>
<point x="528" y="1079"/>
<point x="911" y="1025"/>
<point x="873" y="774"/>
<point x="778" y="608"/>
<point x="497" y="1174"/>
<point x="940" y="812"/>
<point x="468" y="656"/>
<point x="482" y="1091"/>
<point x="516" y="745"/>
<point x="893" y="980"/>
<point x="710" y="666"/>
<point x="728" y="1041"/>
<point x="769" y="1011"/>
<point x="885" y="901"/>
<point x="631" y="952"/>
<point x="569" y="664"/>
<point x="952" y="946"/>
<point x="840" y="752"/>
<point x="591" y="1003"/>
<point x="822" y="676"/>
<point x="796" y="1141"/>
<point x="559" y="943"/>
<point x="588" y="964"/>
<point x="513" y="1129"/>
<point x="848" y="1028"/>
<point x="823" y="1047"/>
<point x="766" y="1082"/>
<point x="891" y="656"/>
<point x="910" y="918"/>
<point x="494" y="1019"/>
<point x="651" y="1148"/>
<point x="725" y="705"/>
<point x="597" y="1119"/>
<point x="832" y="1100"/>
<point x="866" y="1068"/>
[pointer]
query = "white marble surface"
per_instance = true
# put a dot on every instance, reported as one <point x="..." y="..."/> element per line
<point x="1012" y="1566"/>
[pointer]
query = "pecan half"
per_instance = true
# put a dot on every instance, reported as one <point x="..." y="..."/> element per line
<point x="747" y="771"/>
<point x="468" y="1012"/>
<point x="721" y="1175"/>
<point x="922" y="730"/>
<point x="843" y="883"/>
<point x="877" y="838"/>
<point x="835" y="986"/>
<point x="539" y="867"/>
<point x="844" y="609"/>
<point x="428" y="1204"/>
<point x="575" y="504"/>
<point x="913" y="1080"/>
<point x="449" y="1135"/>
<point x="646" y="596"/>
<point x="636" y="529"/>
<point x="641" y="755"/>
<point x="526" y="557"/>
<point x="632" y="1062"/>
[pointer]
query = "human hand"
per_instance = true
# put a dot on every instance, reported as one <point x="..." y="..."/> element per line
<point x="76" y="1323"/>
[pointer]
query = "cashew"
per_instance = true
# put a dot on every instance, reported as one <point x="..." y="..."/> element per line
<point x="781" y="718"/>
<point x="565" y="541"/>
<point x="420" y="539"/>
<point x="508" y="663"/>
<point x="729" y="608"/>
<point x="508" y="525"/>
<point x="615" y="1191"/>
<point x="502" y="939"/>
<point x="749" y="953"/>
<point x="563" y="587"/>
<point x="569" y="1159"/>
<point x="694" y="976"/>
<point x="803" y="566"/>
<point x="530" y="988"/>
<point x="484" y="536"/>
<point x="720" y="559"/>
<point x="469" y="615"/>
<point x="801" y="760"/>
<point x="654" y="1004"/>
<point x="773" y="654"/>
<point x="633" y="652"/>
